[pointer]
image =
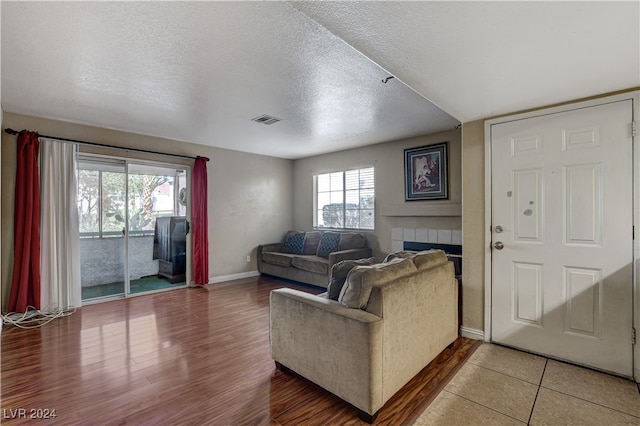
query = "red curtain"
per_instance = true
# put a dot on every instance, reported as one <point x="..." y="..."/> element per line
<point x="25" y="283"/>
<point x="200" y="219"/>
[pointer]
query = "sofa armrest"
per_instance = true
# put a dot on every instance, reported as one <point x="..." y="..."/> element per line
<point x="339" y="256"/>
<point x="277" y="247"/>
<point x="338" y="348"/>
<point x="331" y="307"/>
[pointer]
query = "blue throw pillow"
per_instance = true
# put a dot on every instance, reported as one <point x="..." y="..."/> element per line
<point x="328" y="244"/>
<point x="294" y="243"/>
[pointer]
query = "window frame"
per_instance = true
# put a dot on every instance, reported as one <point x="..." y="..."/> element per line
<point x="344" y="203"/>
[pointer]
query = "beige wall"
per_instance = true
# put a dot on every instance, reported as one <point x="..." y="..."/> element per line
<point x="473" y="225"/>
<point x="250" y="196"/>
<point x="388" y="160"/>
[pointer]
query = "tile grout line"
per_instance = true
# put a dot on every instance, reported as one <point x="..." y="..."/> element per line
<point x="579" y="398"/>
<point x="591" y="402"/>
<point x="539" y="385"/>
<point x="506" y="374"/>
<point x="564" y="393"/>
<point x="502" y="374"/>
<point x="482" y="405"/>
<point x="538" y="391"/>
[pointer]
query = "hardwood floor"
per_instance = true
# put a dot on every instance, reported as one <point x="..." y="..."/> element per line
<point x="190" y="356"/>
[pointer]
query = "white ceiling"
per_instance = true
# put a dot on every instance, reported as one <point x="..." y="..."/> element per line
<point x="478" y="59"/>
<point x="199" y="71"/>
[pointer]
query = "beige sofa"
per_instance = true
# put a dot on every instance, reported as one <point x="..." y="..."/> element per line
<point x="309" y="256"/>
<point x="389" y="322"/>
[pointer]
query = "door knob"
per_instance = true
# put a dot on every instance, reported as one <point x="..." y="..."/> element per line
<point x="498" y="245"/>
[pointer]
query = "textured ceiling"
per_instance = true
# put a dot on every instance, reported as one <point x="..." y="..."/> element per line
<point x="199" y="71"/>
<point x="478" y="59"/>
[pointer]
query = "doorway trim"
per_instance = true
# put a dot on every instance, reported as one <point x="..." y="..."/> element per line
<point x="634" y="96"/>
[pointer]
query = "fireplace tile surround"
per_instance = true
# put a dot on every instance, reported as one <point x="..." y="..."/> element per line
<point x="422" y="235"/>
<point x="449" y="240"/>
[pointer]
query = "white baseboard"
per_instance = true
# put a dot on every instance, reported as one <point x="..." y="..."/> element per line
<point x="471" y="333"/>
<point x="231" y="277"/>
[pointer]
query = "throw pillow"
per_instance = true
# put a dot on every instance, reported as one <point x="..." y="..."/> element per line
<point x="311" y="241"/>
<point x="351" y="240"/>
<point x="361" y="279"/>
<point x="328" y="243"/>
<point x="293" y="242"/>
<point x="398" y="254"/>
<point x="339" y="273"/>
<point x="429" y="259"/>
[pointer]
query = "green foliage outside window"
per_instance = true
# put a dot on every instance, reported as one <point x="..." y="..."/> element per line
<point x="101" y="202"/>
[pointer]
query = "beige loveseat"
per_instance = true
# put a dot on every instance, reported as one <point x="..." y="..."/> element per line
<point x="309" y="256"/>
<point x="389" y="322"/>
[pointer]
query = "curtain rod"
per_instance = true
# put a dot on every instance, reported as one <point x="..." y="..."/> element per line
<point x="102" y="145"/>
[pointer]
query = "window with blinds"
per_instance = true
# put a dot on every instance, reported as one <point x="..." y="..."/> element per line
<point x="345" y="199"/>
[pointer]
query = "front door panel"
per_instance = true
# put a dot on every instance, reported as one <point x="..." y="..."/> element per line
<point x="562" y="194"/>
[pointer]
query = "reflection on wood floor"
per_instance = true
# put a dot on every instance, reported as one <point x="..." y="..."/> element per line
<point x="140" y="285"/>
<point x="191" y="356"/>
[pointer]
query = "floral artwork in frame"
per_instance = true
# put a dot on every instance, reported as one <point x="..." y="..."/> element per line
<point x="426" y="172"/>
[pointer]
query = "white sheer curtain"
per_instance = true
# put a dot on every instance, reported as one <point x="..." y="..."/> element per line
<point x="59" y="237"/>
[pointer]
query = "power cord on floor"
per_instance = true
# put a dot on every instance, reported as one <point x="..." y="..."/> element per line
<point x="34" y="318"/>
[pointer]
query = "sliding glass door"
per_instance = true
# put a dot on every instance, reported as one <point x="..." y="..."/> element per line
<point x="133" y="227"/>
<point x="157" y="227"/>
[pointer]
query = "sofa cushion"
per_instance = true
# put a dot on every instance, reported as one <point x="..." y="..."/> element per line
<point x="430" y="258"/>
<point x="311" y="241"/>
<point x="357" y="288"/>
<point x="339" y="273"/>
<point x="351" y="240"/>
<point x="329" y="243"/>
<point x="316" y="264"/>
<point x="293" y="242"/>
<point x="277" y="258"/>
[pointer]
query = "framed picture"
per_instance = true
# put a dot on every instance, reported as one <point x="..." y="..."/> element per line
<point x="426" y="172"/>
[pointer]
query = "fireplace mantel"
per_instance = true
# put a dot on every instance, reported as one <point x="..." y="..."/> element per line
<point x="420" y="209"/>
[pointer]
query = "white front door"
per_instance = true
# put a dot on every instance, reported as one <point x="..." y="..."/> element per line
<point x="562" y="223"/>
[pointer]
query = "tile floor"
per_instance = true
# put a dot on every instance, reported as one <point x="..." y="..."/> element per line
<point x="501" y="386"/>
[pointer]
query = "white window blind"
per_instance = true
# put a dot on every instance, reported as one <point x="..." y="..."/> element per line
<point x="345" y="199"/>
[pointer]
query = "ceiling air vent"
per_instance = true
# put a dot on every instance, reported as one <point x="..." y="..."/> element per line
<point x="265" y="119"/>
